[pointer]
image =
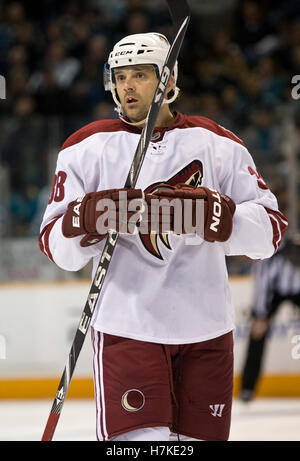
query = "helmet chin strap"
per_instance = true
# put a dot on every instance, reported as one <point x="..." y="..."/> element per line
<point x="120" y="113"/>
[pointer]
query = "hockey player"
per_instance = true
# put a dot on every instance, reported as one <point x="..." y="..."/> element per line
<point x="163" y="332"/>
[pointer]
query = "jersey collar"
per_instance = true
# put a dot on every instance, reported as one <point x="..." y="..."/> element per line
<point x="158" y="132"/>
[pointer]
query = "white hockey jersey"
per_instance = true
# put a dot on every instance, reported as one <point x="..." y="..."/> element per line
<point x="176" y="293"/>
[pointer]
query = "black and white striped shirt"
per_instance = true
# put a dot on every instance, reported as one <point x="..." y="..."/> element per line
<point x="274" y="275"/>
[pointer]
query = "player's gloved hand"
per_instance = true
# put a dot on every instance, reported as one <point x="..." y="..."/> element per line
<point x="218" y="209"/>
<point x="96" y="212"/>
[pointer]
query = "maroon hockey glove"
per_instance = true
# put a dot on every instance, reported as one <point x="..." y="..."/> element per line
<point x="96" y="212"/>
<point x="218" y="209"/>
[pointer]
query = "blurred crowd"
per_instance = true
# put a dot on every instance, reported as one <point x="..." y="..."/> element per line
<point x="235" y="67"/>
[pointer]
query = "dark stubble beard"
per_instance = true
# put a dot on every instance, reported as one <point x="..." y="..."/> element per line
<point x="141" y="115"/>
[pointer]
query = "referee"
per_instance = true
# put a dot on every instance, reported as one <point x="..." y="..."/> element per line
<point x="277" y="279"/>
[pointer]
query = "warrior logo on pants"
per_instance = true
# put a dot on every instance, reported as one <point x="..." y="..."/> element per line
<point x="217" y="409"/>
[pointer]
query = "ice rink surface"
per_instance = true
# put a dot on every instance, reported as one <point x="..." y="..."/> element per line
<point x="263" y="419"/>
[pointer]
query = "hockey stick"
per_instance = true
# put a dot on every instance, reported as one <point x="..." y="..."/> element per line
<point x="180" y="14"/>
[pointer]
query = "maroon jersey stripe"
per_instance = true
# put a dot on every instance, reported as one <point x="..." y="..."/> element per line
<point x="180" y="121"/>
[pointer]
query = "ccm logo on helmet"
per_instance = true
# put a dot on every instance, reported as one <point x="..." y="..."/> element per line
<point x="163" y="83"/>
<point x="217" y="210"/>
<point x="121" y="53"/>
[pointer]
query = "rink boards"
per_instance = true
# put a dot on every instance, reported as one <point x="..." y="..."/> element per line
<point x="38" y="322"/>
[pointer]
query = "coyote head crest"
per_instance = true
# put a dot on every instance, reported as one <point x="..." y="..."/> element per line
<point x="191" y="174"/>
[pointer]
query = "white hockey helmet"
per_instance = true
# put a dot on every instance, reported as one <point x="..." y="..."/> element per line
<point x="148" y="48"/>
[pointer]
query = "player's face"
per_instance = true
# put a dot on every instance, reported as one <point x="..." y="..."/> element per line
<point x="135" y="87"/>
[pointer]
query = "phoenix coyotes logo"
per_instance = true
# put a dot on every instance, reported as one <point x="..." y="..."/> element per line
<point x="191" y="174"/>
